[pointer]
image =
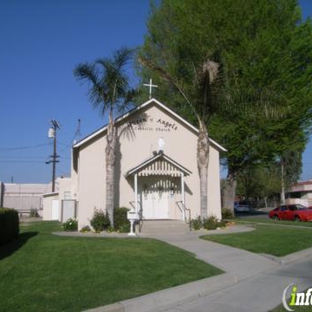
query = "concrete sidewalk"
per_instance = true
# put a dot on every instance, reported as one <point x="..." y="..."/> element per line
<point x="252" y="282"/>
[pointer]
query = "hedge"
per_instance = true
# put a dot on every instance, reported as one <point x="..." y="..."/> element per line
<point x="9" y="225"/>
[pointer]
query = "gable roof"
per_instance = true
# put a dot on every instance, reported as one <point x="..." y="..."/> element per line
<point x="162" y="170"/>
<point x="141" y="107"/>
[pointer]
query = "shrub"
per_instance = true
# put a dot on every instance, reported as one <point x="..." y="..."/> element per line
<point x="100" y="220"/>
<point x="210" y="223"/>
<point x="9" y="225"/>
<point x="196" y="224"/>
<point x="121" y="222"/>
<point x="110" y="229"/>
<point x="227" y="213"/>
<point x="125" y="228"/>
<point x="70" y="225"/>
<point x="213" y="223"/>
<point x="85" y="229"/>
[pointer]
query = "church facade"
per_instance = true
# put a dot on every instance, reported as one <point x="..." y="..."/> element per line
<point x="156" y="171"/>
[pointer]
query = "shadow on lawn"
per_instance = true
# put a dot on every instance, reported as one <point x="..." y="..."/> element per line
<point x="8" y="249"/>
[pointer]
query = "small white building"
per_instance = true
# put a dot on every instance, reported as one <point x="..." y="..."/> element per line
<point x="156" y="168"/>
<point x="60" y="205"/>
<point x="23" y="197"/>
<point x="300" y="193"/>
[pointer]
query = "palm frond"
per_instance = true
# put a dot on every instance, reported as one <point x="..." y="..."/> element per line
<point x="109" y="82"/>
<point x="210" y="69"/>
<point x="122" y="57"/>
<point x="207" y="88"/>
<point x="86" y="71"/>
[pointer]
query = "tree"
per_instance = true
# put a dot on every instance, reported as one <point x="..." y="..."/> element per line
<point x="266" y="54"/>
<point x="109" y="90"/>
<point x="258" y="184"/>
<point x="201" y="100"/>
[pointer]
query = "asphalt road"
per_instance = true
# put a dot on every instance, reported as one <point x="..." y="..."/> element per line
<point x="252" y="214"/>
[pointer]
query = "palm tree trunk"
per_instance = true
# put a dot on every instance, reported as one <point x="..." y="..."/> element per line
<point x="283" y="197"/>
<point x="229" y="192"/>
<point x="202" y="162"/>
<point x="110" y="168"/>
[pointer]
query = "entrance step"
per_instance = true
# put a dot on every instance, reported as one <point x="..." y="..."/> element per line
<point x="160" y="227"/>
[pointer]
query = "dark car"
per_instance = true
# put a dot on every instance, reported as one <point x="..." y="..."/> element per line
<point x="241" y="206"/>
<point x="294" y="212"/>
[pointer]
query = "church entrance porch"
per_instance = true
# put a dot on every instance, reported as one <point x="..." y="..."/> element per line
<point x="158" y="184"/>
<point x="156" y="194"/>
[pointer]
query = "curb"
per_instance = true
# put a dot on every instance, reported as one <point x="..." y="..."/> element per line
<point x="299" y="255"/>
<point x="296" y="256"/>
<point x="114" y="307"/>
<point x="165" y="299"/>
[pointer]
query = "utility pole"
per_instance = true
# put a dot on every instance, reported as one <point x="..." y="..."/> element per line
<point x="54" y="158"/>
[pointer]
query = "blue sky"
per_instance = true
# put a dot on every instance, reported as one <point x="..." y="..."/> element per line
<point x="41" y="42"/>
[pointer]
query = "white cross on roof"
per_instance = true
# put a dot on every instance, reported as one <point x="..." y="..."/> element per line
<point x="150" y="85"/>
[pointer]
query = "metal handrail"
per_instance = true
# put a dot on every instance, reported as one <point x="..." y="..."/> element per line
<point x="185" y="209"/>
<point x="140" y="213"/>
<point x="132" y="203"/>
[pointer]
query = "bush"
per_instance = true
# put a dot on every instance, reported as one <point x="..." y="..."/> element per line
<point x="70" y="225"/>
<point x="9" y="225"/>
<point x="121" y="222"/>
<point x="196" y="224"/>
<point x="125" y="228"/>
<point x="211" y="223"/>
<point x="227" y="213"/>
<point x="100" y="221"/>
<point x="85" y="229"/>
<point x="110" y="229"/>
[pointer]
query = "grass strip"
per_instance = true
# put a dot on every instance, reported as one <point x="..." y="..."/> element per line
<point x="273" y="222"/>
<point x="277" y="241"/>
<point x="43" y="272"/>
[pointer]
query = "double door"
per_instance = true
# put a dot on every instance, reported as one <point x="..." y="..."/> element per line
<point x="154" y="194"/>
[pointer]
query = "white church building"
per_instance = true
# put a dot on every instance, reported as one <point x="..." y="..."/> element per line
<point x="156" y="171"/>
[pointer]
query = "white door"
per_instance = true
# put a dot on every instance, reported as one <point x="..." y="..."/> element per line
<point x="55" y="209"/>
<point x="68" y="209"/>
<point x="147" y="205"/>
<point x="160" y="204"/>
<point x="155" y="200"/>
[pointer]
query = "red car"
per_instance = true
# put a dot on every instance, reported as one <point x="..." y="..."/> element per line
<point x="291" y="212"/>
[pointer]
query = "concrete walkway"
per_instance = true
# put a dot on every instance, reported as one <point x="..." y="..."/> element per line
<point x="252" y="282"/>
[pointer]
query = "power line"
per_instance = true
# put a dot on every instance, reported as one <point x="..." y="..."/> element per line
<point x="22" y="161"/>
<point x="72" y="141"/>
<point x="23" y="147"/>
<point x="14" y="156"/>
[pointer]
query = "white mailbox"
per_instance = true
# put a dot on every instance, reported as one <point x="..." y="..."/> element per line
<point x="132" y="217"/>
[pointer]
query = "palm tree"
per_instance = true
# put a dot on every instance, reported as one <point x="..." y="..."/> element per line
<point x="109" y="91"/>
<point x="202" y="101"/>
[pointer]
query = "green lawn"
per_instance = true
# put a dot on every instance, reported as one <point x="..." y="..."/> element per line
<point x="43" y="272"/>
<point x="274" y="240"/>
<point x="271" y="221"/>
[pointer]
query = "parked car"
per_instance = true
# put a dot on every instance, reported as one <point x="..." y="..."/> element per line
<point x="241" y="206"/>
<point x="294" y="212"/>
